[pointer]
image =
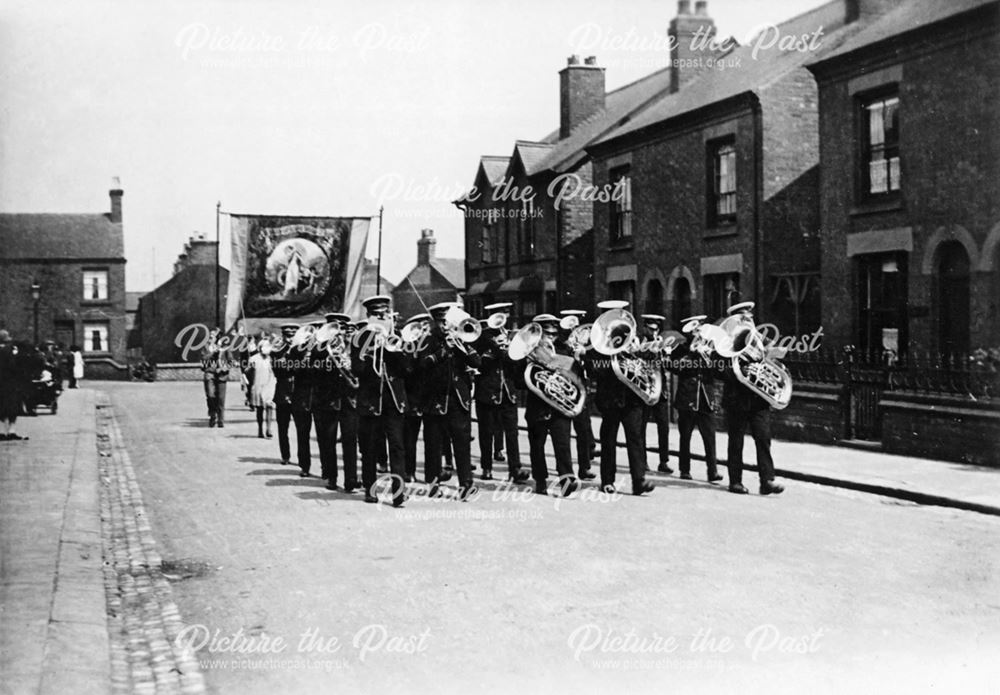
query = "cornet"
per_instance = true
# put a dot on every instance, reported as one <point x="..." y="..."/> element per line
<point x="461" y="326"/>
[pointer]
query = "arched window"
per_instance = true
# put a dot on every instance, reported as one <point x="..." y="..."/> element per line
<point x="654" y="297"/>
<point x="953" y="298"/>
<point x="680" y="307"/>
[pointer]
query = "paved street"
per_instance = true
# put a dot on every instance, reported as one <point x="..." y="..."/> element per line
<point x="692" y="588"/>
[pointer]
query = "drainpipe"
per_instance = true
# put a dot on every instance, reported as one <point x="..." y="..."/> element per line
<point x="758" y="193"/>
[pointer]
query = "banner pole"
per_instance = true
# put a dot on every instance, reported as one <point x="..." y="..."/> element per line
<point x="378" y="267"/>
<point x="218" y="318"/>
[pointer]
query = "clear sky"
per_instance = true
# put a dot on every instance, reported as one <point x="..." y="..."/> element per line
<point x="310" y="107"/>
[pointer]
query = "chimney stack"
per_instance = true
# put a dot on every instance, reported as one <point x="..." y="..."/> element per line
<point x="425" y="247"/>
<point x="116" y="200"/>
<point x="581" y="92"/>
<point x="683" y="30"/>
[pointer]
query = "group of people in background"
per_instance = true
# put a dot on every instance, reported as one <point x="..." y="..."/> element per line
<point x="32" y="376"/>
<point x="372" y="385"/>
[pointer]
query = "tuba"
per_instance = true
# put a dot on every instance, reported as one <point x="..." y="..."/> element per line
<point x="548" y="375"/>
<point x="613" y="334"/>
<point x="751" y="364"/>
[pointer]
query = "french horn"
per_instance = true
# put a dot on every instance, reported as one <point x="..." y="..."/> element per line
<point x="614" y="334"/>
<point x="548" y="375"/>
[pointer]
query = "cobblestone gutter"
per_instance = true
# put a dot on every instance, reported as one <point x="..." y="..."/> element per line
<point x="143" y="620"/>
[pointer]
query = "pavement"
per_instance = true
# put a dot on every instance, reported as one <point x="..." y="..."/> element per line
<point x="86" y="608"/>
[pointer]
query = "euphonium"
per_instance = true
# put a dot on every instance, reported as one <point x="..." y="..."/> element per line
<point x="548" y="375"/>
<point x="751" y="364"/>
<point x="579" y="337"/>
<point x="613" y="334"/>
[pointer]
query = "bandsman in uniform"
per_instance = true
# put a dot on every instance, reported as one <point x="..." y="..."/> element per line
<point x="381" y="398"/>
<point x="619" y="407"/>
<point x="415" y="390"/>
<point x="305" y="372"/>
<point x="334" y="386"/>
<point x="544" y="421"/>
<point x="659" y="412"/>
<point x="586" y="446"/>
<point x="693" y="401"/>
<point x="446" y="367"/>
<point x="746" y="410"/>
<point x="283" y="387"/>
<point x="496" y="398"/>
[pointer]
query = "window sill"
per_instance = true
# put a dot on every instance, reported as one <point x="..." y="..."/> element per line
<point x="102" y="353"/>
<point x="876" y="206"/>
<point x="622" y="245"/>
<point x="95" y="302"/>
<point x="722" y="230"/>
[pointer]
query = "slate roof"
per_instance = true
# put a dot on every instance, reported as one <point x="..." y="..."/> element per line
<point x="910" y="15"/>
<point x="750" y="75"/>
<point x="494" y="167"/>
<point x="453" y="270"/>
<point x="60" y="236"/>
<point x="530" y="154"/>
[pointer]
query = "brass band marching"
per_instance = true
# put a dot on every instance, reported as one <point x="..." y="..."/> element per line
<point x="377" y="382"/>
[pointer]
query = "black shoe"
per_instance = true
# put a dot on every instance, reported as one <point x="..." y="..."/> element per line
<point x="351" y="487"/>
<point x="738" y="489"/>
<point x="642" y="488"/>
<point x="520" y="477"/>
<point x="286" y="463"/>
<point x="499" y="457"/>
<point x="407" y="478"/>
<point x="609" y="489"/>
<point x="586" y="475"/>
<point x="541" y="489"/>
<point x="487" y="475"/>
<point x="400" y="499"/>
<point x="664" y="468"/>
<point x="569" y="487"/>
<point x="445" y="476"/>
<point x="211" y="422"/>
<point x="268" y="435"/>
<point x="260" y="435"/>
<point x="714" y="478"/>
<point x="771" y="488"/>
<point x="332" y="486"/>
<point x="220" y="425"/>
<point x="304" y="474"/>
<point x="371" y="499"/>
<point x="467" y="491"/>
<point x="435" y="491"/>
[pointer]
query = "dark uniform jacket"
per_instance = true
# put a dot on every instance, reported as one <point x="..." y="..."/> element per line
<point x="446" y="375"/>
<point x="694" y="378"/>
<point x="611" y="393"/>
<point x="378" y="391"/>
<point x="331" y="389"/>
<point x="305" y="373"/>
<point x="284" y="377"/>
<point x="498" y="375"/>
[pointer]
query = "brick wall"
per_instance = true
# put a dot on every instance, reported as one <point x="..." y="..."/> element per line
<point x="187" y="298"/>
<point x="941" y="427"/>
<point x="950" y="160"/>
<point x="62" y="300"/>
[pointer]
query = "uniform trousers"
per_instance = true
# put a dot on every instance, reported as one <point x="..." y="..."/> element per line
<point x="303" y="427"/>
<point x="283" y="416"/>
<point x="327" y="424"/>
<point x="759" y="424"/>
<point x="498" y="420"/>
<point x="687" y="420"/>
<point x="558" y="427"/>
<point x="371" y="430"/>
<point x="631" y="419"/>
<point x="659" y="414"/>
<point x="456" y="427"/>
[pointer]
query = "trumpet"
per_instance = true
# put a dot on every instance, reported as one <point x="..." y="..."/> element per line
<point x="548" y="375"/>
<point x="613" y="334"/>
<point x="414" y="331"/>
<point x="302" y="336"/>
<point x="497" y="321"/>
<point x="579" y="338"/>
<point x="333" y="339"/>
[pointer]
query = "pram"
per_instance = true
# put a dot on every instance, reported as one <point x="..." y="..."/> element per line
<point x="44" y="392"/>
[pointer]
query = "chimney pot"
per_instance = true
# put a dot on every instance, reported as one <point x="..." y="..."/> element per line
<point x="590" y="60"/>
<point x="683" y="6"/>
<point x="573" y="60"/>
<point x="116" y="200"/>
<point x="425" y="247"/>
<point x="701" y="7"/>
